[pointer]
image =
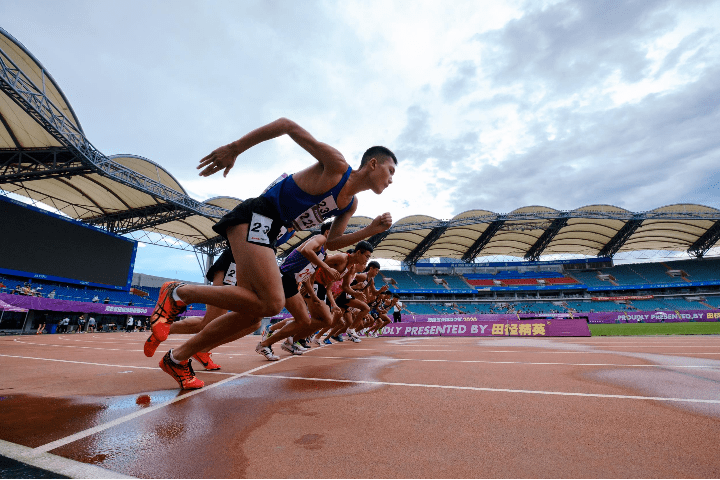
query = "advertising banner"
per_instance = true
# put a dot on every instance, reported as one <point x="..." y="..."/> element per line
<point x="489" y="317"/>
<point x="507" y="328"/>
<point x="655" y="317"/>
<point x="56" y="305"/>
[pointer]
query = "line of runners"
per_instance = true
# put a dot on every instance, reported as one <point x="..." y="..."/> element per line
<point x="325" y="295"/>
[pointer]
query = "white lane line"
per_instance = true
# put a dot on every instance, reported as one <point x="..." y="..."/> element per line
<point x="497" y="390"/>
<point x="110" y="349"/>
<point x="54" y="463"/>
<point x="590" y="352"/>
<point x="103" y="364"/>
<point x="91" y="431"/>
<point x="386" y="359"/>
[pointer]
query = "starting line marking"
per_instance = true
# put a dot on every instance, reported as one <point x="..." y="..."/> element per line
<point x="496" y="390"/>
<point x="105" y="364"/>
<point x="55" y="463"/>
<point x="103" y="348"/>
<point x="90" y="431"/>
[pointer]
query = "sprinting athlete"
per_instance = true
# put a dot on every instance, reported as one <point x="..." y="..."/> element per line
<point x="317" y="300"/>
<point x="325" y="189"/>
<point x="298" y="266"/>
<point x="379" y="313"/>
<point x="365" y="282"/>
<point x="320" y="298"/>
<point x="222" y="272"/>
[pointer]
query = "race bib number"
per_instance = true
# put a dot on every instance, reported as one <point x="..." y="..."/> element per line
<point x="230" y="275"/>
<point x="259" y="228"/>
<point x="314" y="215"/>
<point x="305" y="273"/>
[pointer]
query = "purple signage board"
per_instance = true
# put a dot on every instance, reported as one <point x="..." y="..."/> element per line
<point x="667" y="316"/>
<point x="561" y="327"/>
<point x="486" y="317"/>
<point x="57" y="305"/>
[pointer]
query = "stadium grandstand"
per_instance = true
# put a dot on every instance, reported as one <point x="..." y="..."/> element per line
<point x="46" y="160"/>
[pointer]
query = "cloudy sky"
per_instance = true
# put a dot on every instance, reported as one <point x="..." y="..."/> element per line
<point x="488" y="105"/>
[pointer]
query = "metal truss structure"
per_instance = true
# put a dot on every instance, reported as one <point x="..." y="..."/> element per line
<point x="77" y="156"/>
<point x="78" y="151"/>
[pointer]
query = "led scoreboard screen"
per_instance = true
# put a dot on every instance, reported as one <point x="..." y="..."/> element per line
<point x="38" y="244"/>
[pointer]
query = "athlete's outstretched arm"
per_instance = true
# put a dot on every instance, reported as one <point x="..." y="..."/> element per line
<point x="337" y="239"/>
<point x="308" y="248"/>
<point x="225" y="156"/>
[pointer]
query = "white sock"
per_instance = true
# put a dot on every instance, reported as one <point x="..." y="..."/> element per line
<point x="173" y="358"/>
<point x="176" y="297"/>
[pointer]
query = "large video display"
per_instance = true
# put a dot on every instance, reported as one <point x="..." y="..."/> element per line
<point x="39" y="244"/>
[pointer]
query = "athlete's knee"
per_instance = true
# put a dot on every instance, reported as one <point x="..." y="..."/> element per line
<point x="270" y="303"/>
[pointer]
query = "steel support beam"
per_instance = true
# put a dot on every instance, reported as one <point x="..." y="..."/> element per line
<point x="484" y="239"/>
<point x="32" y="99"/>
<point x="706" y="241"/>
<point x="213" y="246"/>
<point x="424" y="245"/>
<point x="622" y="236"/>
<point x="37" y="164"/>
<point x="533" y="254"/>
<point x="139" y="218"/>
<point x="377" y="238"/>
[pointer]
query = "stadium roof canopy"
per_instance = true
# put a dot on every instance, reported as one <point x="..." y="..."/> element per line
<point x="45" y="156"/>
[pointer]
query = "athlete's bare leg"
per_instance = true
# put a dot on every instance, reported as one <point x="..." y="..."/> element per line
<point x="297" y="308"/>
<point x="258" y="294"/>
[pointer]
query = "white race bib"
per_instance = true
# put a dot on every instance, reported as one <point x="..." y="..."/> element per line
<point x="259" y="228"/>
<point x="230" y="275"/>
<point x="313" y="216"/>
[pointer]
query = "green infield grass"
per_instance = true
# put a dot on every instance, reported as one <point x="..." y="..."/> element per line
<point x="627" y="329"/>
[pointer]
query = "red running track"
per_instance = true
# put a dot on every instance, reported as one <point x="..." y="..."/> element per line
<point x="641" y="407"/>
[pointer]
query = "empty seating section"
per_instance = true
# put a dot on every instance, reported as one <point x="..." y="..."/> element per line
<point x="508" y="278"/>
<point x="704" y="270"/>
<point x="590" y="278"/>
<point x="455" y="282"/>
<point x="403" y="280"/>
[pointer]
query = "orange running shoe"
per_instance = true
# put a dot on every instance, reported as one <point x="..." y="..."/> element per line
<point x="166" y="311"/>
<point x="152" y="343"/>
<point x="183" y="373"/>
<point x="204" y="358"/>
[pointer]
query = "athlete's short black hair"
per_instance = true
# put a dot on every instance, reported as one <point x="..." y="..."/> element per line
<point x="364" y="246"/>
<point x="396" y="295"/>
<point x="325" y="227"/>
<point x="372" y="264"/>
<point x="377" y="151"/>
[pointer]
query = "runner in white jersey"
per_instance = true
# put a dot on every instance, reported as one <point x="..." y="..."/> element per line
<point x="326" y="188"/>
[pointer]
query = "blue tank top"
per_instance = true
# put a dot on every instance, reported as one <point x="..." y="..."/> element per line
<point x="301" y="210"/>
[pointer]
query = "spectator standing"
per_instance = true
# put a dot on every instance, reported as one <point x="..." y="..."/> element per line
<point x="41" y="326"/>
<point x="91" y="325"/>
<point x="96" y="299"/>
<point x="51" y="294"/>
<point x="64" y="324"/>
<point x="397" y="317"/>
<point x="107" y="300"/>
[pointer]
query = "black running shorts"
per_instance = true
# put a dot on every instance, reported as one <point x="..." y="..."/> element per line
<point x="342" y="301"/>
<point x="321" y="293"/>
<point x="226" y="264"/>
<point x="290" y="285"/>
<point x="262" y="218"/>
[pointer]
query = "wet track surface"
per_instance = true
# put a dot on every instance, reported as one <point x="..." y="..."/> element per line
<point x="396" y="408"/>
